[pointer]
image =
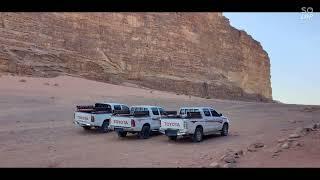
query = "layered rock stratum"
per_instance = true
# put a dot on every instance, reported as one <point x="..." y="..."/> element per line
<point x="197" y="54"/>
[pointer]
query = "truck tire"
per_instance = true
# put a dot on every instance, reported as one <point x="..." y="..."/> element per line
<point x="172" y="138"/>
<point x="145" y="132"/>
<point x="122" y="134"/>
<point x="225" y="129"/>
<point x="104" y="128"/>
<point x="198" y="135"/>
<point x="86" y="128"/>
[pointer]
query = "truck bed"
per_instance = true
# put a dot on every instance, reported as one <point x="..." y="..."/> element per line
<point x="94" y="109"/>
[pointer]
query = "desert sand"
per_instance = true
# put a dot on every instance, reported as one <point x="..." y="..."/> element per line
<point x="37" y="130"/>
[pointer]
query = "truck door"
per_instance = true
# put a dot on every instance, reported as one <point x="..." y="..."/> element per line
<point x="155" y="118"/>
<point x="116" y="107"/>
<point x="125" y="109"/>
<point x="208" y="121"/>
<point x="217" y="119"/>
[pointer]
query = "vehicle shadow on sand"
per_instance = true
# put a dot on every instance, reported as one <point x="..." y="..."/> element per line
<point x="91" y="132"/>
<point x="207" y="138"/>
<point x="134" y="137"/>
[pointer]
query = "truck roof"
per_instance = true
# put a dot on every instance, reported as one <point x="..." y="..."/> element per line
<point x="196" y="107"/>
<point x="111" y="103"/>
<point x="146" y="106"/>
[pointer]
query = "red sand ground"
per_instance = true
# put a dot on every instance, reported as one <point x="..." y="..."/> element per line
<point x="37" y="131"/>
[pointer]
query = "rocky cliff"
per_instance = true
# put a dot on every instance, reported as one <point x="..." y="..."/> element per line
<point x="189" y="53"/>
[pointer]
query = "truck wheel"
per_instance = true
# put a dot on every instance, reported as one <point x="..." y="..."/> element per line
<point x="122" y="134"/>
<point x="198" y="135"/>
<point x="225" y="129"/>
<point x="86" y="128"/>
<point x="104" y="127"/>
<point x="144" y="133"/>
<point x="172" y="138"/>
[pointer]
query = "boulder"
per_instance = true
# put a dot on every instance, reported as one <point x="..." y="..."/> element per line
<point x="215" y="165"/>
<point x="316" y="125"/>
<point x="285" y="145"/>
<point x="277" y="150"/>
<point x="253" y="147"/>
<point x="296" y="143"/>
<point x="230" y="165"/>
<point x="229" y="159"/>
<point x="281" y="140"/>
<point x="295" y="135"/>
<point x="240" y="152"/>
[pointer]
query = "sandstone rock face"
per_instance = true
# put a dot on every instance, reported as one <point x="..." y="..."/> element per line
<point x="189" y="53"/>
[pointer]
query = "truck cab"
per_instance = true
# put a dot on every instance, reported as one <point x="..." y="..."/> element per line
<point x="195" y="122"/>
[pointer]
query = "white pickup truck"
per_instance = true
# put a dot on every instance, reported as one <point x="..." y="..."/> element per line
<point x="98" y="115"/>
<point x="141" y="120"/>
<point x="195" y="122"/>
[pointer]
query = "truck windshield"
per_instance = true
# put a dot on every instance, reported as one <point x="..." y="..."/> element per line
<point x="185" y="111"/>
<point x="138" y="109"/>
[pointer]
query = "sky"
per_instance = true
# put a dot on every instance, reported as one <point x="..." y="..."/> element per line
<point x="292" y="41"/>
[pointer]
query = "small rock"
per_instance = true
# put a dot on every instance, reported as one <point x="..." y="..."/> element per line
<point x="222" y="157"/>
<point x="56" y="84"/>
<point x="309" y="128"/>
<point x="275" y="155"/>
<point x="277" y="150"/>
<point x="229" y="159"/>
<point x="281" y="140"/>
<point x="285" y="146"/>
<point x="291" y="140"/>
<point x="47" y="84"/>
<point x="315" y="126"/>
<point x="214" y="165"/>
<point x="230" y="165"/>
<point x="258" y="145"/>
<point x="22" y="80"/>
<point x="253" y="147"/>
<point x="299" y="130"/>
<point x="294" y="136"/>
<point x="292" y="121"/>
<point x="240" y="152"/>
<point x="304" y="130"/>
<point x="236" y="156"/>
<point x="296" y="143"/>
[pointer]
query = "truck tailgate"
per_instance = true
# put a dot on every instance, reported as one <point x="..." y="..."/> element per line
<point x="82" y="117"/>
<point x="172" y="123"/>
<point x="119" y="121"/>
